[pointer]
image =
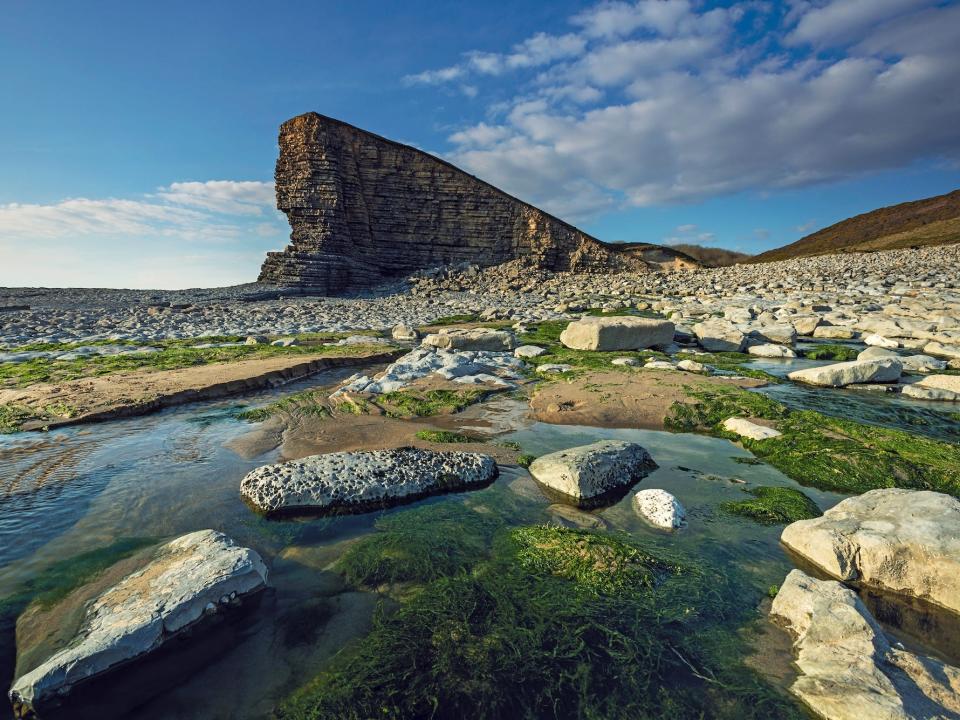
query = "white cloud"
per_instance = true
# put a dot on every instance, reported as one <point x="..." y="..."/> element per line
<point x="663" y="102"/>
<point x="186" y="234"/>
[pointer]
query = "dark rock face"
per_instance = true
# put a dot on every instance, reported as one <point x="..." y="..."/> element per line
<point x="364" y="209"/>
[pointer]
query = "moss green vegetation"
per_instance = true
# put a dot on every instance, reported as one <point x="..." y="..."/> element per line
<point x="840" y="353"/>
<point x="420" y="545"/>
<point x="550" y="622"/>
<point x="771" y="505"/>
<point x="307" y="402"/>
<point x="526" y="460"/>
<point x="12" y="417"/>
<point x="412" y="403"/>
<point x="454" y="320"/>
<point x="826" y="452"/>
<point x="731" y="362"/>
<point x="547" y="335"/>
<point x="171" y="355"/>
<point x="747" y="460"/>
<point x="511" y="445"/>
<point x="444" y="436"/>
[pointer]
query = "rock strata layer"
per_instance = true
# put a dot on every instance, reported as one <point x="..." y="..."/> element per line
<point x="849" y="669"/>
<point x="363" y="209"/>
<point x="186" y="580"/>
<point x="901" y="541"/>
<point x="355" y="481"/>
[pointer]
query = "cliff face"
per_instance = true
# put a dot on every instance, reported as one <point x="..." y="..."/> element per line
<point x="363" y="209"/>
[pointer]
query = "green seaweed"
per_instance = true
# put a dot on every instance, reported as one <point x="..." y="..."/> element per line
<point x="771" y="505"/>
<point x="454" y="320"/>
<point x="526" y="460"/>
<point x="444" y="436"/>
<point x="420" y="545"/>
<point x="306" y="402"/>
<point x="840" y="353"/>
<point x="556" y="623"/>
<point x="13" y="416"/>
<point x="826" y="452"/>
<point x="410" y="403"/>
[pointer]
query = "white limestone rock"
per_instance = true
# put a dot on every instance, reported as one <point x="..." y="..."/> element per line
<point x="900" y="541"/>
<point x="834" y="332"/>
<point x="880" y="341"/>
<point x="587" y="471"/>
<point x="625" y="362"/>
<point x="848" y="373"/>
<point x="485" y="339"/>
<point x="849" y="670"/>
<point x="660" y="509"/>
<point x="692" y="366"/>
<point x="186" y="579"/>
<point x="940" y="349"/>
<point x="554" y="368"/>
<point x="717" y="335"/>
<point x="769" y="350"/>
<point x="529" y="351"/>
<point x="606" y="334"/>
<point x="777" y="334"/>
<point x="404" y="332"/>
<point x="356" y="481"/>
<point x="935" y="387"/>
<point x="747" y="429"/>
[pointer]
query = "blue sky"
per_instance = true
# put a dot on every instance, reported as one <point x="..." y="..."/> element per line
<point x="137" y="140"/>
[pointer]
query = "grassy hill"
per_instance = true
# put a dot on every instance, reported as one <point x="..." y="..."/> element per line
<point x="932" y="221"/>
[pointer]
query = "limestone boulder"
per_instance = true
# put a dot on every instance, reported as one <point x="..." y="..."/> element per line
<point x="717" y="335"/>
<point x="880" y="370"/>
<point x="404" y="332"/>
<point x="940" y="349"/>
<point x="848" y="668"/>
<point x="805" y="324"/>
<point x="901" y="541"/>
<point x="588" y="471"/>
<point x="606" y="334"/>
<point x="875" y="353"/>
<point x="834" y="332"/>
<point x="357" y="481"/>
<point x="880" y="341"/>
<point x="529" y="351"/>
<point x="935" y="387"/>
<point x="779" y="334"/>
<point x="660" y="508"/>
<point x="751" y="430"/>
<point x="769" y="350"/>
<point x="478" y="339"/>
<point x="180" y="584"/>
<point x="922" y="363"/>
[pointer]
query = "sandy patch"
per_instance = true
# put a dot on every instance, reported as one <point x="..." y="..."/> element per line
<point x="638" y="399"/>
<point x="143" y="391"/>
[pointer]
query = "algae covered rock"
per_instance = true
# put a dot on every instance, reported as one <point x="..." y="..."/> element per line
<point x="605" y="334"/>
<point x="356" y="481"/>
<point x="849" y="669"/>
<point x="589" y="471"/>
<point x="901" y="541"/>
<point x="180" y="584"/>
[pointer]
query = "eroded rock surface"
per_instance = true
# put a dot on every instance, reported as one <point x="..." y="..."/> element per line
<point x="848" y="373"/>
<point x="186" y="580"/>
<point x="355" y="481"/>
<point x="363" y="209"/>
<point x="660" y="509"/>
<point x="849" y="669"/>
<point x="901" y="541"/>
<point x="617" y="333"/>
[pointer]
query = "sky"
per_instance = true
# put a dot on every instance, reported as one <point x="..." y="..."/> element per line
<point x="137" y="140"/>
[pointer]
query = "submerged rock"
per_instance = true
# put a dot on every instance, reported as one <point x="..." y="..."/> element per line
<point x="185" y="580"/>
<point x="900" y="541"/>
<point x="849" y="669"/>
<point x="350" y="481"/>
<point x="589" y="471"/>
<point x="747" y="429"/>
<point x="660" y="509"/>
<point x="848" y="373"/>
<point x="605" y="334"/>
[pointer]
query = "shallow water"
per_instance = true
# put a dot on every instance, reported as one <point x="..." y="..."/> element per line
<point x="77" y="490"/>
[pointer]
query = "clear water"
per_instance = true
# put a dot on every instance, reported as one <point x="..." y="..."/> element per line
<point x="76" y="490"/>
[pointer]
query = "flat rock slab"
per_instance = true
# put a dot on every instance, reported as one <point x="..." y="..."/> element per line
<point x="848" y="373"/>
<point x="718" y="335"/>
<point x="849" y="671"/>
<point x="606" y="334"/>
<point x="187" y="580"/>
<point x="590" y="471"/>
<point x="660" y="509"/>
<point x="935" y="387"/>
<point x="769" y="350"/>
<point x="473" y="339"/>
<point x="900" y="541"/>
<point x="358" y="481"/>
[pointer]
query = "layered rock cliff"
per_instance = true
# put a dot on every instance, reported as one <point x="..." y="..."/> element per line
<point x="364" y="209"/>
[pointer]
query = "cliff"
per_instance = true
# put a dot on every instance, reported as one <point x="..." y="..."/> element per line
<point x="363" y="209"/>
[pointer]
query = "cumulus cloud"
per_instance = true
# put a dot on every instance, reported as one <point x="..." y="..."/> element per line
<point x="662" y="101"/>
<point x="211" y="226"/>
